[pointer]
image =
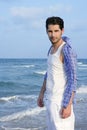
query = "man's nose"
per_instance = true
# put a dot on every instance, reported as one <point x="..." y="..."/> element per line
<point x="53" y="33"/>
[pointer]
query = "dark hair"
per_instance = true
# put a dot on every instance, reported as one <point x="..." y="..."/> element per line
<point x="55" y="20"/>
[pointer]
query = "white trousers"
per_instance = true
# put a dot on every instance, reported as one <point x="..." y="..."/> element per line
<point x="54" y="121"/>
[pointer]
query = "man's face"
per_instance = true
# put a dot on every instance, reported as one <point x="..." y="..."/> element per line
<point x="54" y="33"/>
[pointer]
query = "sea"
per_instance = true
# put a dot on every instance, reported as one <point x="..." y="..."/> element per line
<point x="20" y="84"/>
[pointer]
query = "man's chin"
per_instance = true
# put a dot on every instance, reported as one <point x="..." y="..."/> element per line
<point x="54" y="42"/>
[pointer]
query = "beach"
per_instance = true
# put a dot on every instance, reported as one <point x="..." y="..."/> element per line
<point x="35" y="119"/>
<point x="20" y="83"/>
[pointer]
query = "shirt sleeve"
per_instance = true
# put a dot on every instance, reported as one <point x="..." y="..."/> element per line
<point x="70" y="62"/>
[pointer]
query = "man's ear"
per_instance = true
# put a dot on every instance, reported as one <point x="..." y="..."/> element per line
<point x="62" y="30"/>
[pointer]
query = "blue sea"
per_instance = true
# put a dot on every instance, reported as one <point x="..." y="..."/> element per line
<point x="20" y="83"/>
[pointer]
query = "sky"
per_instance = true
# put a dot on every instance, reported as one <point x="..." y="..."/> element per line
<point x="22" y="26"/>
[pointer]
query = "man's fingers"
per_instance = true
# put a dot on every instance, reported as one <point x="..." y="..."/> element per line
<point x="40" y="103"/>
<point x="64" y="114"/>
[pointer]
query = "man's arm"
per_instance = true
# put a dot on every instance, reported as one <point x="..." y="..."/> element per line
<point x="70" y="63"/>
<point x="66" y="112"/>
<point x="69" y="60"/>
<point x="41" y="95"/>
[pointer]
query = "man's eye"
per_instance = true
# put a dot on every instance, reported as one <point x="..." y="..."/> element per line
<point x="56" y="30"/>
<point x="49" y="31"/>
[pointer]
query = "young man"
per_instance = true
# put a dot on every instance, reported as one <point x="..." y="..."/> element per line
<point x="59" y="86"/>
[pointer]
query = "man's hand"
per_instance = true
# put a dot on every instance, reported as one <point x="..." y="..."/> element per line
<point x="40" y="101"/>
<point x="41" y="95"/>
<point x="66" y="112"/>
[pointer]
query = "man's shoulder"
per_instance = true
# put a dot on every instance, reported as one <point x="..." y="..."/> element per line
<point x="69" y="51"/>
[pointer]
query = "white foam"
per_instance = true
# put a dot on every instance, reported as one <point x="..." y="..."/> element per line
<point x="40" y="72"/>
<point x="24" y="66"/>
<point x="19" y="128"/>
<point x="21" y="101"/>
<point x="80" y="68"/>
<point x="10" y="98"/>
<point x="28" y="66"/>
<point x="82" y="89"/>
<point x="5" y="128"/>
<point x="19" y="115"/>
<point x="79" y="63"/>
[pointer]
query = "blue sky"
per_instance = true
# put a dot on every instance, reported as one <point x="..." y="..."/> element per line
<point x="22" y="26"/>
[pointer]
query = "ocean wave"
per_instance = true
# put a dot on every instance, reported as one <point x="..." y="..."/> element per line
<point x="81" y="64"/>
<point x="7" y="83"/>
<point x="40" y="72"/>
<point x="82" y="89"/>
<point x="8" y="98"/>
<point x="24" y="66"/>
<point x="18" y="98"/>
<point x="80" y="68"/>
<point x="28" y="66"/>
<point x="81" y="96"/>
<point x="18" y="128"/>
<point x="17" y="102"/>
<point x="20" y="115"/>
<point x="33" y="119"/>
